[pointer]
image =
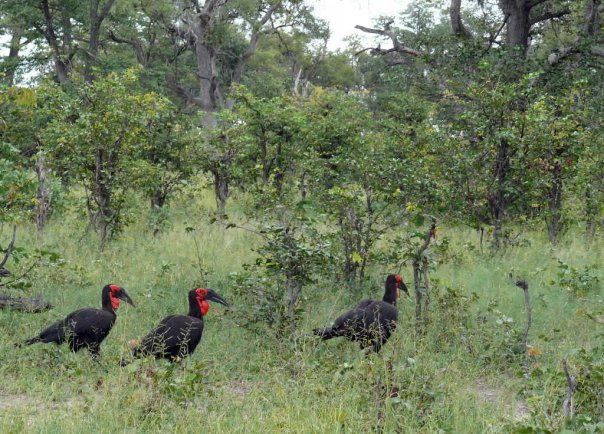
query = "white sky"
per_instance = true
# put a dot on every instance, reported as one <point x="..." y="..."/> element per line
<point x="343" y="15"/>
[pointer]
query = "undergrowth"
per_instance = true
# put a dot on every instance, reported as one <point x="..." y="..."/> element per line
<point x="469" y="372"/>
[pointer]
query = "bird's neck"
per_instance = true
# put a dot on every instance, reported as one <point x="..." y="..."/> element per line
<point x="197" y="308"/>
<point x="390" y="294"/>
<point x="107" y="302"/>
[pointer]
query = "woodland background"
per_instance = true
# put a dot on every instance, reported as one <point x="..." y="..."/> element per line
<point x="169" y="144"/>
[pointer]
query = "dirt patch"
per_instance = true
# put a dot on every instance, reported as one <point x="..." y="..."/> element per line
<point x="30" y="404"/>
<point x="18" y="402"/>
<point x="515" y="409"/>
<point x="239" y="388"/>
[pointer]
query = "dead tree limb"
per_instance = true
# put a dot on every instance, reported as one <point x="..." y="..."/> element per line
<point x="398" y="46"/>
<point x="529" y="312"/>
<point x="572" y="383"/>
<point x="3" y="271"/>
<point x="31" y="305"/>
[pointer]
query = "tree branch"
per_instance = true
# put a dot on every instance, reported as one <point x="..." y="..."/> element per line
<point x="136" y="45"/>
<point x="10" y="248"/>
<point x="532" y="3"/>
<point x="397" y="46"/>
<point x="182" y="92"/>
<point x="549" y="16"/>
<point x="105" y="9"/>
<point x="567" y="405"/>
<point x="251" y="48"/>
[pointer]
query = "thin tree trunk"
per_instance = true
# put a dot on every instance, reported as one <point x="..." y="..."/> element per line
<point x="96" y="18"/>
<point x="591" y="211"/>
<point x="294" y="289"/>
<point x="426" y="280"/>
<point x="102" y="197"/>
<point x="43" y="194"/>
<point x="221" y="191"/>
<point x="498" y="199"/>
<point x="418" y="297"/>
<point x="61" y="59"/>
<point x="158" y="199"/>
<point x="554" y="217"/>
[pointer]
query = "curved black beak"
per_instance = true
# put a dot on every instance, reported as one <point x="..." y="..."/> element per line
<point x="213" y="296"/>
<point x="404" y="288"/>
<point x="123" y="295"/>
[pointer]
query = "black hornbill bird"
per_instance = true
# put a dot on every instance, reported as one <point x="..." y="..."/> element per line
<point x="371" y="322"/>
<point x="177" y="336"/>
<point x="88" y="327"/>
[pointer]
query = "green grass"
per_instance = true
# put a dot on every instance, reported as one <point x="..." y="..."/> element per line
<point x="238" y="381"/>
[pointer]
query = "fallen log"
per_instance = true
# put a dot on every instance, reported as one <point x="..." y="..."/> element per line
<point x="23" y="304"/>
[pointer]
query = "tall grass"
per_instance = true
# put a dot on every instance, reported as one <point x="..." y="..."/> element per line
<point x="243" y="382"/>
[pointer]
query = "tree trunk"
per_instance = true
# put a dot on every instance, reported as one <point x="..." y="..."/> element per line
<point x="11" y="62"/>
<point x="158" y="199"/>
<point x="418" y="297"/>
<point x="456" y="22"/>
<point x="43" y="194"/>
<point x="61" y="56"/>
<point x="102" y="197"/>
<point x="426" y="279"/>
<point x="221" y="191"/>
<point x="554" y="217"/>
<point x="294" y="289"/>
<point x="210" y="99"/>
<point x="498" y="198"/>
<point x="303" y="185"/>
<point x="96" y="18"/>
<point x="518" y="23"/>
<point x="591" y="212"/>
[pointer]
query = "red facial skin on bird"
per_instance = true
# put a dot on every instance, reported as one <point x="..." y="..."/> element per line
<point x="115" y="302"/>
<point x="204" y="306"/>
<point x="399" y="280"/>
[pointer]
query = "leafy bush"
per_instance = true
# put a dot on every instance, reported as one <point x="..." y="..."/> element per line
<point x="578" y="282"/>
<point x="546" y="387"/>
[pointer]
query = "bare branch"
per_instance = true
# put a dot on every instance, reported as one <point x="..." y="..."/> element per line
<point x="567" y="405"/>
<point x="398" y="47"/>
<point x="10" y="248"/>
<point x="529" y="311"/>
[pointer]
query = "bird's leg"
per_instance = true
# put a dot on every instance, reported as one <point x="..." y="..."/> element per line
<point x="95" y="353"/>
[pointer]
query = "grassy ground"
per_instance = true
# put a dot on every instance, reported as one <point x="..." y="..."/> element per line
<point x="461" y="377"/>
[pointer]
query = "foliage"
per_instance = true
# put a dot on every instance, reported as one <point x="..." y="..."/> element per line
<point x="546" y="414"/>
<point x="577" y="282"/>
<point x="96" y="137"/>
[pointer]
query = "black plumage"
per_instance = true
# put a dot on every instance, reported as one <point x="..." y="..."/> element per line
<point x="88" y="327"/>
<point x="371" y="322"/>
<point x="177" y="336"/>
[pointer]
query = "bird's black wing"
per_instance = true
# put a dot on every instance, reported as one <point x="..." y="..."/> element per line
<point x="175" y="335"/>
<point x="89" y="321"/>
